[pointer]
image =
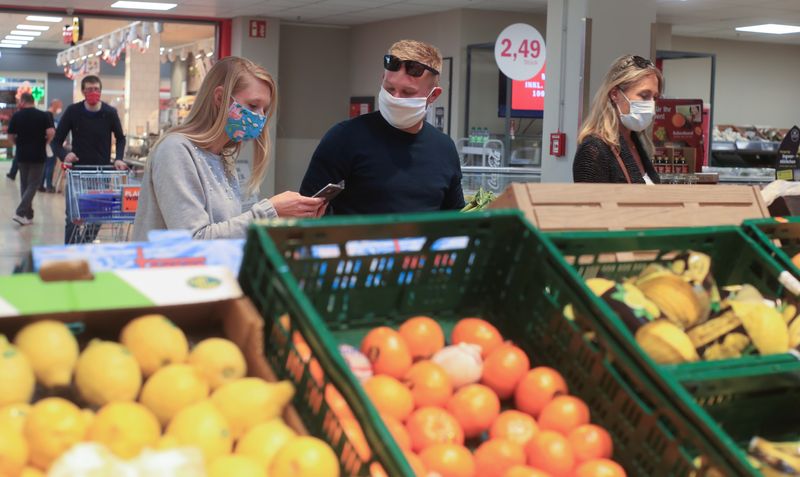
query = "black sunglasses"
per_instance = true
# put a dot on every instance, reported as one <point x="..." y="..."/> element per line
<point x="642" y="63"/>
<point x="413" y="68"/>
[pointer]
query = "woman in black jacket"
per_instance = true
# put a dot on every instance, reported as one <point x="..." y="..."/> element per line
<point x="615" y="140"/>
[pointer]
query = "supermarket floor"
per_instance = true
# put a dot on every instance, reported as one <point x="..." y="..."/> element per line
<point x="47" y="227"/>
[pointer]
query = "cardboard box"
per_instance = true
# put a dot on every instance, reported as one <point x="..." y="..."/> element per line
<point x="202" y="301"/>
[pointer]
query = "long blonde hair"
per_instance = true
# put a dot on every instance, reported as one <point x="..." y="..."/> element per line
<point x="206" y="121"/>
<point x="603" y="119"/>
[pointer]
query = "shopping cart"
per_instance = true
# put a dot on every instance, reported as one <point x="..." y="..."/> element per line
<point x="101" y="203"/>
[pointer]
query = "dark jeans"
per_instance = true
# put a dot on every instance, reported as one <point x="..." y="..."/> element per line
<point x="49" y="167"/>
<point x="14" y="166"/>
<point x="83" y="233"/>
<point x="29" y="176"/>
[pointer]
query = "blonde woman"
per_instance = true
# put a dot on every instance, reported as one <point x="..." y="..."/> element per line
<point x="190" y="181"/>
<point x="615" y="143"/>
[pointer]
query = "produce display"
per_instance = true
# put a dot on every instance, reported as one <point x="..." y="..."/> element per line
<point x="150" y="404"/>
<point x="470" y="406"/>
<point x="479" y="201"/>
<point x="678" y="314"/>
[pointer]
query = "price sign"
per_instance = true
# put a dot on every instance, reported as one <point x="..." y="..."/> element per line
<point x="519" y="51"/>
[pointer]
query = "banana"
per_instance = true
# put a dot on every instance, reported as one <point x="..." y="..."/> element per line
<point x="711" y="339"/>
<point x="764" y="325"/>
<point x="773" y="458"/>
<point x="732" y="346"/>
<point x="665" y="343"/>
<point x="600" y="285"/>
<point x="674" y="297"/>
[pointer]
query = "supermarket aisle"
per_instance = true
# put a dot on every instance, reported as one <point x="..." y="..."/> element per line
<point x="47" y="227"/>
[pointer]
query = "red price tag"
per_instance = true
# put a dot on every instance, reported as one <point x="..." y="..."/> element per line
<point x="519" y="51"/>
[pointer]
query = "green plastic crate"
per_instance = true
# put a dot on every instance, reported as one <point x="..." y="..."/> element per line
<point x="780" y="237"/>
<point x="499" y="268"/>
<point x="747" y="396"/>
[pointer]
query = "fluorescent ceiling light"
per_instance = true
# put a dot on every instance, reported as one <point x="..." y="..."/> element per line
<point x="26" y="33"/>
<point x="9" y="45"/>
<point x="14" y="42"/>
<point x="33" y="27"/>
<point x="771" y="28"/>
<point x="37" y="18"/>
<point x="143" y="5"/>
<point x="15" y="37"/>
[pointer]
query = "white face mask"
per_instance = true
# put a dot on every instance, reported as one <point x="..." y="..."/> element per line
<point x="640" y="116"/>
<point x="402" y="113"/>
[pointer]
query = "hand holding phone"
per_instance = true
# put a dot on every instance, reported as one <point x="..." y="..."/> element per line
<point x="330" y="191"/>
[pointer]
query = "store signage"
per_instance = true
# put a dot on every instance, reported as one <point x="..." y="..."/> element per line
<point x="258" y="28"/>
<point x="787" y="162"/>
<point x="520" y="52"/>
<point x="361" y="105"/>
<point x="528" y="95"/>
<point x="130" y="198"/>
<point x="678" y="136"/>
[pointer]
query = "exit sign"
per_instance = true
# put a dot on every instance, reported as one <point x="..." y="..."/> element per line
<point x="258" y="28"/>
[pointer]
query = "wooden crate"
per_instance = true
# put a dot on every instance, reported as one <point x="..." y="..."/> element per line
<point x="632" y="206"/>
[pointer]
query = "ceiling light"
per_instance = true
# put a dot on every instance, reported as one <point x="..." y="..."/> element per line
<point x="26" y="33"/>
<point x="33" y="27"/>
<point x="771" y="28"/>
<point x="15" y="37"/>
<point x="14" y="42"/>
<point x="37" y="18"/>
<point x="143" y="5"/>
<point x="9" y="45"/>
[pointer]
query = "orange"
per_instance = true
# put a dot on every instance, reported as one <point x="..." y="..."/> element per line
<point x="599" y="468"/>
<point x="423" y="336"/>
<point x="449" y="460"/>
<point x="390" y="396"/>
<point x="514" y="425"/>
<point x="475" y="407"/>
<point x="432" y="425"/>
<point x="495" y="456"/>
<point x="550" y="451"/>
<point x="479" y="332"/>
<point x="416" y="464"/>
<point x="525" y="471"/>
<point x="429" y="383"/>
<point x="796" y="260"/>
<point x="387" y="351"/>
<point x="564" y="414"/>
<point x="336" y="402"/>
<point x="398" y="431"/>
<point x="537" y="388"/>
<point x="503" y="369"/>
<point x="590" y="442"/>
<point x="356" y="436"/>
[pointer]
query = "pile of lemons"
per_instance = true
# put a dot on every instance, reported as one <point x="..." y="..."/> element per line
<point x="147" y="391"/>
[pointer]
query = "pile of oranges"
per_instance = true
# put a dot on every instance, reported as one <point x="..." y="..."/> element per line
<point x="520" y="421"/>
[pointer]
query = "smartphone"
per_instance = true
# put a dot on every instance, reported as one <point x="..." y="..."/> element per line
<point x="330" y="191"/>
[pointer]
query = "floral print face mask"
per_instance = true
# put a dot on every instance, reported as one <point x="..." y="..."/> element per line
<point x="243" y="124"/>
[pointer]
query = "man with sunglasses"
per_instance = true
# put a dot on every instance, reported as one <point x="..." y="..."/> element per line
<point x="391" y="160"/>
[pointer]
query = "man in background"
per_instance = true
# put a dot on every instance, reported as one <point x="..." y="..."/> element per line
<point x="29" y="130"/>
<point x="50" y="164"/>
<point x="91" y="122"/>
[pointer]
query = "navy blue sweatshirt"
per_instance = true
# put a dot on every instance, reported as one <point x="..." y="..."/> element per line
<point x="386" y="170"/>
<point x="91" y="134"/>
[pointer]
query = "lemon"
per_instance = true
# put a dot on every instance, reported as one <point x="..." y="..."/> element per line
<point x="53" y="426"/>
<point x="17" y="379"/>
<point x="171" y="389"/>
<point x="51" y="349"/>
<point x="155" y="341"/>
<point x="125" y="428"/>
<point x="167" y="442"/>
<point x="13" y="451"/>
<point x="265" y="440"/>
<point x="107" y="371"/>
<point x="12" y="416"/>
<point x="247" y="402"/>
<point x="220" y="360"/>
<point x="238" y="465"/>
<point x="305" y="456"/>
<point x="203" y="426"/>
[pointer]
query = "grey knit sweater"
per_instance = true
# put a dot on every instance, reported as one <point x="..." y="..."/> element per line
<point x="186" y="187"/>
